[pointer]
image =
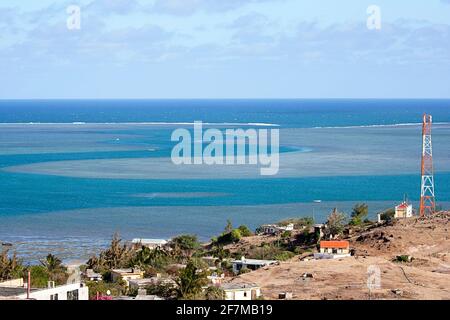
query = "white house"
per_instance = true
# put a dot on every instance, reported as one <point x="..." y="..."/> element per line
<point x="276" y="229"/>
<point x="126" y="275"/>
<point x="150" y="243"/>
<point x="146" y="282"/>
<point x="17" y="290"/>
<point x="252" y="264"/>
<point x="216" y="279"/>
<point x="241" y="291"/>
<point x="93" y="276"/>
<point x="333" y="250"/>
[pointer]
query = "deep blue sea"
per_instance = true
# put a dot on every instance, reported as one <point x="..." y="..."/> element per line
<point x="74" y="172"/>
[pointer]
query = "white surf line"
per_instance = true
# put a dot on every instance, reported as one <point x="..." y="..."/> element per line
<point x="411" y="124"/>
<point x="252" y="124"/>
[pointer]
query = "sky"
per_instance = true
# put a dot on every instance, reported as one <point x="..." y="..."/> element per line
<point x="214" y="49"/>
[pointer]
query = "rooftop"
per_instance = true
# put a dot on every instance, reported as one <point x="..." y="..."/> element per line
<point x="403" y="205"/>
<point x="335" y="244"/>
<point x="237" y="286"/>
<point x="15" y="291"/>
<point x="149" y="241"/>
<point x="254" y="261"/>
<point x="129" y="270"/>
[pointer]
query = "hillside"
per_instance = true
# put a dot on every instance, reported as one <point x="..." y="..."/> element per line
<point x="427" y="276"/>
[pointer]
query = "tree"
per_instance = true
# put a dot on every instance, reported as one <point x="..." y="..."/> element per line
<point x="10" y="267"/>
<point x="388" y="215"/>
<point x="359" y="213"/>
<point x="235" y="235"/>
<point x="335" y="223"/>
<point x="299" y="223"/>
<point x="118" y="255"/>
<point x="245" y="231"/>
<point x="55" y="268"/>
<point x="214" y="293"/>
<point x="53" y="263"/>
<point x="228" y="227"/>
<point x="156" y="258"/>
<point x="190" y="282"/>
<point x="39" y="276"/>
<point x="221" y="253"/>
<point x="185" y="245"/>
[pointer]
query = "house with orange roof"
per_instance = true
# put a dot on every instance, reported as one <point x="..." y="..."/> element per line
<point x="333" y="249"/>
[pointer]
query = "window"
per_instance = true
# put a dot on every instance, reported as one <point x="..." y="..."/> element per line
<point x="72" y="295"/>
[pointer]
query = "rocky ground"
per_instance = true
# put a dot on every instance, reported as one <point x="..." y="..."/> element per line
<point x="427" y="276"/>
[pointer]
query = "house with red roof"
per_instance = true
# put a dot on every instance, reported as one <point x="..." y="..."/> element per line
<point x="403" y="210"/>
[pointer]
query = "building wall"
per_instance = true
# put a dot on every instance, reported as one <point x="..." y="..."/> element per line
<point x="61" y="291"/>
<point x="243" y="294"/>
<point x="126" y="277"/>
<point x="12" y="283"/>
<point x="403" y="212"/>
<point x="330" y="250"/>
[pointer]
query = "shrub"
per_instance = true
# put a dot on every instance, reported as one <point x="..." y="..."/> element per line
<point x="214" y="293"/>
<point x="403" y="258"/>
<point x="225" y="238"/>
<point x="244" y="270"/>
<point x="245" y="231"/>
<point x="298" y="222"/>
<point x="39" y="276"/>
<point x="284" y="255"/>
<point x="335" y="223"/>
<point x="286" y="234"/>
<point x="102" y="288"/>
<point x="235" y="235"/>
<point x="388" y="215"/>
<point x="359" y="213"/>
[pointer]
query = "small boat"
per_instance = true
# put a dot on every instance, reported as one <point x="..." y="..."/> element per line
<point x="317" y="201"/>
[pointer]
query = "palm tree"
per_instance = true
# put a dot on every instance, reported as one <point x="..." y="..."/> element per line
<point x="55" y="269"/>
<point x="190" y="282"/>
<point x="10" y="267"/>
<point x="53" y="264"/>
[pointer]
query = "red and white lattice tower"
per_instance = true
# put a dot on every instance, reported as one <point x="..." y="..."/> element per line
<point x="427" y="200"/>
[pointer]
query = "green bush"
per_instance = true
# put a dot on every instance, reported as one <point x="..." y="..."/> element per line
<point x="245" y="231"/>
<point x="102" y="288"/>
<point x="359" y="213"/>
<point x="388" y="215"/>
<point x="226" y="238"/>
<point x="284" y="255"/>
<point x="39" y="276"/>
<point x="298" y="222"/>
<point x="235" y="235"/>
<point x="286" y="234"/>
<point x="403" y="258"/>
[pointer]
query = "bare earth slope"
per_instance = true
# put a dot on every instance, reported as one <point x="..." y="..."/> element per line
<point x="427" y="276"/>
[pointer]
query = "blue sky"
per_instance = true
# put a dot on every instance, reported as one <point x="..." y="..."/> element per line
<point x="224" y="49"/>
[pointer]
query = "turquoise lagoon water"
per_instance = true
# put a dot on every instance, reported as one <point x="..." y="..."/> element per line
<point x="59" y="190"/>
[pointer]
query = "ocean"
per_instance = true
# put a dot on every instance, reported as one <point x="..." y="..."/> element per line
<point x="74" y="172"/>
